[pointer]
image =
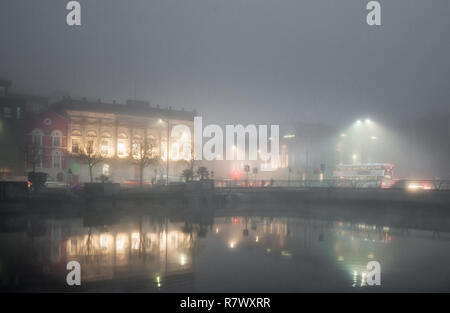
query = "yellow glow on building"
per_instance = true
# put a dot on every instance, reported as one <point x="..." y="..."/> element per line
<point x="121" y="242"/>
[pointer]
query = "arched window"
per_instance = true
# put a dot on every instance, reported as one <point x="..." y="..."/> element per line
<point x="122" y="145"/>
<point x="152" y="145"/>
<point x="104" y="147"/>
<point x="76" y="140"/>
<point x="36" y="137"/>
<point x="76" y="133"/>
<point x="56" y="159"/>
<point x="136" y="146"/>
<point x="91" y="138"/>
<point x="91" y="134"/>
<point x="105" y="144"/>
<point x="56" y="138"/>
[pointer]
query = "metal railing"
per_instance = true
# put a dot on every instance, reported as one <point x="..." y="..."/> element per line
<point x="335" y="183"/>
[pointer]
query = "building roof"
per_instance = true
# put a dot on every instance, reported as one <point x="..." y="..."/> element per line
<point x="26" y="98"/>
<point x="132" y="107"/>
<point x="5" y="83"/>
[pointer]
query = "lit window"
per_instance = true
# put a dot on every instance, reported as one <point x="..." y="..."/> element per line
<point x="90" y="146"/>
<point x="121" y="148"/>
<point x="104" y="148"/>
<point x="136" y="150"/>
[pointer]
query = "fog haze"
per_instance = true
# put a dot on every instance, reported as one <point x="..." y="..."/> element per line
<point x="236" y="60"/>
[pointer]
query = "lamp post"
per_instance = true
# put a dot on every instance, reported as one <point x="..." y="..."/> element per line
<point x="288" y="137"/>
<point x="361" y="138"/>
<point x="167" y="148"/>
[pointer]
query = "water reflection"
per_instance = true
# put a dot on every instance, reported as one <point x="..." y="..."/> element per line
<point x="228" y="253"/>
<point x="152" y="249"/>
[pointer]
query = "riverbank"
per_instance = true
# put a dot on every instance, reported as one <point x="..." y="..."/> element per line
<point x="64" y="202"/>
<point x="360" y="196"/>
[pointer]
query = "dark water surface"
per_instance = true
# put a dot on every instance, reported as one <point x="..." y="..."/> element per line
<point x="219" y="252"/>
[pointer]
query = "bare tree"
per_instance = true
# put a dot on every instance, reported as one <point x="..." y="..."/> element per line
<point x="203" y="172"/>
<point x="189" y="173"/>
<point x="35" y="155"/>
<point x="91" y="157"/>
<point x="143" y="155"/>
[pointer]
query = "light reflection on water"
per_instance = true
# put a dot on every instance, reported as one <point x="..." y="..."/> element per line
<point x="230" y="254"/>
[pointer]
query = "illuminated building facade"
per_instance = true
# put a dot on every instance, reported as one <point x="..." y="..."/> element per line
<point x="117" y="132"/>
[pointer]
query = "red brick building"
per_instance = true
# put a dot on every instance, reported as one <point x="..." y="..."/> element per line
<point x="47" y="145"/>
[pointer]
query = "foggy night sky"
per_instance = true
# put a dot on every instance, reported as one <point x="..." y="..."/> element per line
<point x="236" y="61"/>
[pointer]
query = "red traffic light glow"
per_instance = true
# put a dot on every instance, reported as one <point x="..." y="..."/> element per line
<point x="236" y="174"/>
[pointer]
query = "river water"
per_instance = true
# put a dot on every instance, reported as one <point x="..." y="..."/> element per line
<point x="227" y="251"/>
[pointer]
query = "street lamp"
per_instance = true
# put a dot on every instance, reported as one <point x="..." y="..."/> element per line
<point x="167" y="148"/>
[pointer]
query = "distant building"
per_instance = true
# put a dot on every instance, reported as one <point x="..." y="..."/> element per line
<point x="17" y="105"/>
<point x="16" y="110"/>
<point x="12" y="136"/>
